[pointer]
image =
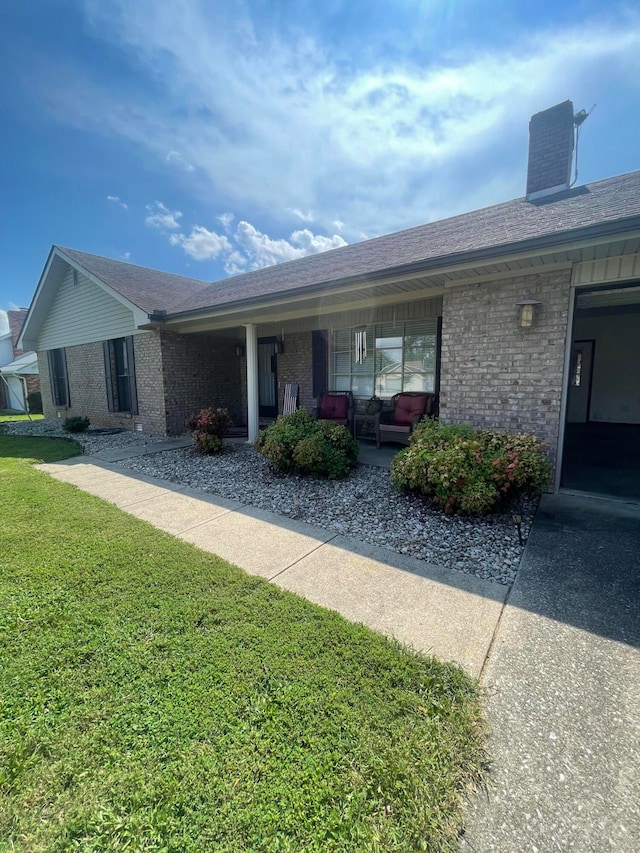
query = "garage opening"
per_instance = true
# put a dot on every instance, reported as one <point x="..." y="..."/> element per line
<point x="602" y="430"/>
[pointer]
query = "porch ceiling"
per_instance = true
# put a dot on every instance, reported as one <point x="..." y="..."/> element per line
<point x="340" y="297"/>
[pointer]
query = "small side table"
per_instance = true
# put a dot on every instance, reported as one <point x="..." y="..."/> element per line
<point x="364" y="426"/>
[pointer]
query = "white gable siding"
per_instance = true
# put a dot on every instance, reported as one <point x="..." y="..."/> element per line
<point x="607" y="270"/>
<point x="83" y="313"/>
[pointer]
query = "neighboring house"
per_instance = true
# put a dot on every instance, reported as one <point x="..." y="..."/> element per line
<point x="18" y="369"/>
<point x="522" y="316"/>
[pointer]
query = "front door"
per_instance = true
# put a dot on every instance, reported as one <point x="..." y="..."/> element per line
<point x="267" y="378"/>
<point x="580" y="382"/>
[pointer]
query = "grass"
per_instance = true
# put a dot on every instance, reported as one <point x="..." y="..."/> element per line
<point x="155" y="698"/>
<point x="7" y="416"/>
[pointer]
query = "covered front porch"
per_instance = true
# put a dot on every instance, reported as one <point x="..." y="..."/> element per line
<point x="374" y="350"/>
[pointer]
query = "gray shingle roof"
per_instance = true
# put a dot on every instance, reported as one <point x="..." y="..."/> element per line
<point x="149" y="289"/>
<point x="502" y="226"/>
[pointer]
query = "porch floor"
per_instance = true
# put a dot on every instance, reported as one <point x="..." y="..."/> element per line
<point x="603" y="459"/>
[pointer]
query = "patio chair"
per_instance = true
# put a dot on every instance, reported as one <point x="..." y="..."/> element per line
<point x="397" y="424"/>
<point x="335" y="406"/>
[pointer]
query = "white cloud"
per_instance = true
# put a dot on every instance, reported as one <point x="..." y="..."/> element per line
<point x="226" y="219"/>
<point x="201" y="244"/>
<point x="262" y="251"/>
<point x="235" y="264"/>
<point x="126" y="255"/>
<point x="117" y="200"/>
<point x="247" y="247"/>
<point x="159" y="216"/>
<point x="306" y="217"/>
<point x="176" y="159"/>
<point x="274" y="123"/>
<point x="338" y="224"/>
<point x="4" y="322"/>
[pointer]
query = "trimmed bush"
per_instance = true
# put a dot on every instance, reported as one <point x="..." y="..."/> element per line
<point x="470" y="471"/>
<point x="209" y="427"/>
<point x="34" y="402"/>
<point x="299" y="444"/>
<point x="76" y="424"/>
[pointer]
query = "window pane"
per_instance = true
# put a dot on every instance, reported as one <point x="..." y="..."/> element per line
<point x="420" y="340"/>
<point x="365" y="366"/>
<point x="341" y="362"/>
<point x="388" y="384"/>
<point x="341" y="383"/>
<point x="362" y="386"/>
<point x="389" y="361"/>
<point x="418" y="382"/>
<point x="341" y="339"/>
<point x="421" y="327"/>
<point x="419" y="359"/>
<point x="388" y="342"/>
<point x="123" y="387"/>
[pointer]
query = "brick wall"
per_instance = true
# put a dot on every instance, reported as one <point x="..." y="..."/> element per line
<point x="147" y="352"/>
<point x="87" y="386"/>
<point x="45" y="386"/>
<point x="33" y="382"/>
<point x="295" y="364"/>
<point x="200" y="370"/>
<point x="496" y="374"/>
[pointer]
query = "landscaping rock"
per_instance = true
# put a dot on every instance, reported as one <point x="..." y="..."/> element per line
<point x="364" y="506"/>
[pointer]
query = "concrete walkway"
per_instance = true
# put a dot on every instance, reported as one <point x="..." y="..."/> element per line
<point x="563" y="689"/>
<point x="560" y="661"/>
<point x="431" y="608"/>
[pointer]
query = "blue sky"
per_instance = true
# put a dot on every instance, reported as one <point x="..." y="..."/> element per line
<point x="206" y="138"/>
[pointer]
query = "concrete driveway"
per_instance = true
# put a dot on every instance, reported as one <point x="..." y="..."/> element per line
<point x="563" y="689"/>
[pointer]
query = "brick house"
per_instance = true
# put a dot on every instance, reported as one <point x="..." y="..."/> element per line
<point x="18" y="369"/>
<point x="523" y="316"/>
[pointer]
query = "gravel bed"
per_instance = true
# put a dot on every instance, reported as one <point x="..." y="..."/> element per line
<point x="364" y="506"/>
<point x="92" y="441"/>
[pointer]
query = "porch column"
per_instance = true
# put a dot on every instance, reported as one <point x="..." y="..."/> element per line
<point x="251" y="331"/>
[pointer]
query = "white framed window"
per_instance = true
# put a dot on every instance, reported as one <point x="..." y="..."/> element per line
<point x="385" y="358"/>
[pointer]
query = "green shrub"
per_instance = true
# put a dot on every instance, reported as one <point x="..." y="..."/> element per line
<point x="469" y="471"/>
<point x="76" y="424"/>
<point x="299" y="444"/>
<point x="209" y="427"/>
<point x="34" y="402"/>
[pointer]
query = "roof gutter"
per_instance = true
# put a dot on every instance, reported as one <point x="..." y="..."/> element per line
<point x="547" y="241"/>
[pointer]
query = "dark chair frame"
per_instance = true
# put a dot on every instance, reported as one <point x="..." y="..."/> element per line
<point x="387" y="417"/>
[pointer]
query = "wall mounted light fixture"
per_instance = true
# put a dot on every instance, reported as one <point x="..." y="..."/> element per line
<point x="240" y="350"/>
<point x="279" y="347"/>
<point x="527" y="312"/>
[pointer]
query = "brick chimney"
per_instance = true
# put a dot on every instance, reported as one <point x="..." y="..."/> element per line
<point x="551" y="136"/>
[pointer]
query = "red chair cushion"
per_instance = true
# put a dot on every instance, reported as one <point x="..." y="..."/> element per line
<point x="333" y="408"/>
<point x="408" y="407"/>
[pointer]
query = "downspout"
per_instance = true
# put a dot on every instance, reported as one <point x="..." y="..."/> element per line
<point x="25" y="395"/>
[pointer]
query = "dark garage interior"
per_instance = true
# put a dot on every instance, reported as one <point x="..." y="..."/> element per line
<point x="602" y="431"/>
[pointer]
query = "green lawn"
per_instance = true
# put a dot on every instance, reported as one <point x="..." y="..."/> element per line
<point x="6" y="417"/>
<point x="155" y="698"/>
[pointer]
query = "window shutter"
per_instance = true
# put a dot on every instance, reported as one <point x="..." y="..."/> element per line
<point x="67" y="390"/>
<point x="132" y="376"/>
<point x="106" y="349"/>
<point x="319" y="361"/>
<point x="52" y="377"/>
